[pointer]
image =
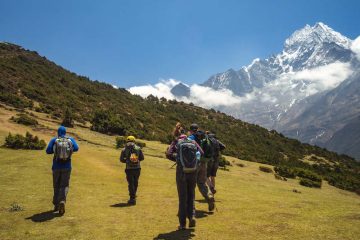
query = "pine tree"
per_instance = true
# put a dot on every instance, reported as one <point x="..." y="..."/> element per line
<point x="68" y="119"/>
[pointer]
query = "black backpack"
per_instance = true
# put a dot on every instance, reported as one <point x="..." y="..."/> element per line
<point x="187" y="155"/>
<point x="132" y="154"/>
<point x="211" y="148"/>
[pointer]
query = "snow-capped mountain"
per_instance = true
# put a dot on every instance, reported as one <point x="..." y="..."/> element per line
<point x="307" y="48"/>
<point x="294" y="91"/>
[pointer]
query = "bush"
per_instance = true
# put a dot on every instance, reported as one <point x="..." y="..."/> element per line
<point x="108" y="123"/>
<point x="15" y="207"/>
<point x="121" y="141"/>
<point x="24" y="119"/>
<point x="240" y="164"/>
<point x="265" y="169"/>
<point x="278" y="177"/>
<point x="285" y="171"/>
<point x="308" y="175"/>
<point x="68" y="119"/>
<point x="28" y="142"/>
<point x="309" y="183"/>
<point x="223" y="162"/>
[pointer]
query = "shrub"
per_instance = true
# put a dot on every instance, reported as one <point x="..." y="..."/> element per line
<point x="240" y="164"/>
<point x="15" y="207"/>
<point x="265" y="169"/>
<point x="285" y="171"/>
<point x="68" y="119"/>
<point x="309" y="183"/>
<point x="28" y="142"/>
<point x="121" y="141"/>
<point x="278" y="177"/>
<point x="24" y="119"/>
<point x="223" y="162"/>
<point x="308" y="175"/>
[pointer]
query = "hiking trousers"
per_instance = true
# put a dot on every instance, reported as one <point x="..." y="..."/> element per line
<point x="186" y="183"/>
<point x="132" y="177"/>
<point x="201" y="181"/>
<point x="61" y="179"/>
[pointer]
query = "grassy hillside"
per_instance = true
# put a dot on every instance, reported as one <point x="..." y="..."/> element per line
<point x="250" y="204"/>
<point x="29" y="81"/>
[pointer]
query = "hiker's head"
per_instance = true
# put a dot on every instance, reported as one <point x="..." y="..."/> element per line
<point x="200" y="134"/>
<point x="178" y="130"/>
<point x="193" y="128"/>
<point x="61" y="131"/>
<point x="130" y="139"/>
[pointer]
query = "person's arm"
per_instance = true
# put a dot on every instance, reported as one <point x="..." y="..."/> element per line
<point x="141" y="155"/>
<point x="75" y="145"/>
<point x="122" y="156"/>
<point x="222" y="146"/>
<point x="49" y="149"/>
<point x="171" y="151"/>
<point x="199" y="148"/>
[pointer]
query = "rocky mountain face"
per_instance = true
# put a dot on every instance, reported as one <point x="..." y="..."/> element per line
<point x="309" y="91"/>
<point x="181" y="90"/>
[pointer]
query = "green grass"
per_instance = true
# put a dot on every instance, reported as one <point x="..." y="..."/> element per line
<point x="250" y="204"/>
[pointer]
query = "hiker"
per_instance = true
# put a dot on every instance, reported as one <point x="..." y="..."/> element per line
<point x="62" y="147"/>
<point x="202" y="171"/>
<point x="193" y="133"/>
<point x="132" y="155"/>
<point x="178" y="130"/>
<point x="186" y="153"/>
<point x="201" y="179"/>
<point x="213" y="164"/>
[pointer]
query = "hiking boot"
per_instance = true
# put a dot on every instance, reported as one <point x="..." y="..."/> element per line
<point x="62" y="208"/>
<point x="213" y="191"/>
<point x="132" y="201"/>
<point x="56" y="208"/>
<point x="211" y="203"/>
<point x="181" y="227"/>
<point x="192" y="223"/>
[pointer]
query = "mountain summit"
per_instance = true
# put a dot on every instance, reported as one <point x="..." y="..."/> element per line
<point x="306" y="48"/>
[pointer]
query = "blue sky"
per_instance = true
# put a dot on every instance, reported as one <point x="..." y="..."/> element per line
<point x="133" y="42"/>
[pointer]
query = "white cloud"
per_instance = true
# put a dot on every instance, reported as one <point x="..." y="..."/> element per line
<point x="161" y="89"/>
<point x="325" y="77"/>
<point x="208" y="97"/>
<point x="199" y="95"/>
<point x="281" y="92"/>
<point x="355" y="47"/>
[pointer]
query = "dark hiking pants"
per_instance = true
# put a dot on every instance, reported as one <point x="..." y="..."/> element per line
<point x="61" y="179"/>
<point x="201" y="181"/>
<point x="132" y="176"/>
<point x="186" y="183"/>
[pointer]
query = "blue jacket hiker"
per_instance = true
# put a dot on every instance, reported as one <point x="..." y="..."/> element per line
<point x="62" y="147"/>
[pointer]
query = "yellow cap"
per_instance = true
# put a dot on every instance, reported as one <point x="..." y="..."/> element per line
<point x="130" y="139"/>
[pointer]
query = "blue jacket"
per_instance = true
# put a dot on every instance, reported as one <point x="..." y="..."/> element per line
<point x="50" y="150"/>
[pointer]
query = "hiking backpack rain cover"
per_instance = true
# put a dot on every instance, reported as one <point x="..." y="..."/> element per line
<point x="63" y="149"/>
<point x="187" y="150"/>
